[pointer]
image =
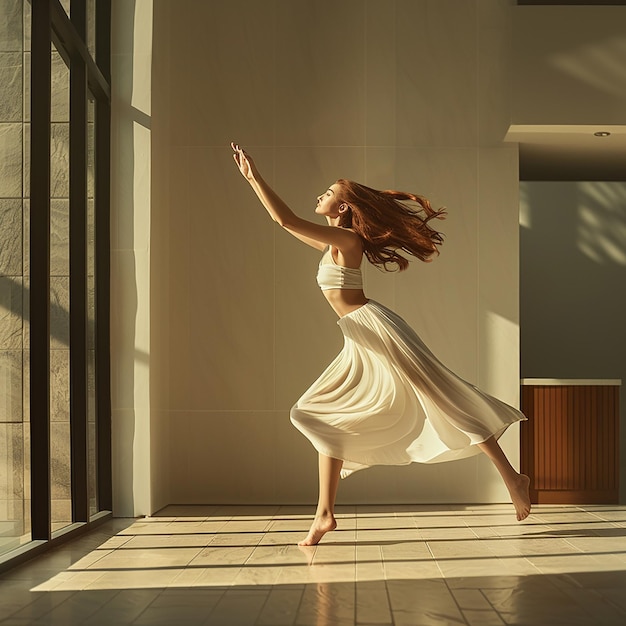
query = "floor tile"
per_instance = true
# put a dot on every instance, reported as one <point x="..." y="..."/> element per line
<point x="385" y="565"/>
<point x="280" y="608"/>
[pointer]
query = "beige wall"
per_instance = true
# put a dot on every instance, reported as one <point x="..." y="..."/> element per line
<point x="411" y="95"/>
<point x="131" y="315"/>
<point x="569" y="65"/>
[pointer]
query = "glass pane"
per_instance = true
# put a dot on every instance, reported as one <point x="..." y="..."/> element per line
<point x="14" y="427"/>
<point x="91" y="321"/>
<point x="60" y="471"/>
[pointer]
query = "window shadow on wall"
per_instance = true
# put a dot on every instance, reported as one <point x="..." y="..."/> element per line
<point x="573" y="269"/>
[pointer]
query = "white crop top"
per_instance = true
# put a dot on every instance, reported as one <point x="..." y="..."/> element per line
<point x="333" y="276"/>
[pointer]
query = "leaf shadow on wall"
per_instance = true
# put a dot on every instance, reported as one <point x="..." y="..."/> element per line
<point x="573" y="268"/>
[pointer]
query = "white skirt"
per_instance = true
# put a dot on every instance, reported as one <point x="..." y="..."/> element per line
<point x="387" y="400"/>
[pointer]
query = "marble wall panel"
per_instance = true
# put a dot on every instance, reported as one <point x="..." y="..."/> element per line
<point x="11" y="237"/>
<point x="12" y="462"/>
<point x="13" y="512"/>
<point x="27" y="514"/>
<point x="60" y="160"/>
<point x="59" y="237"/>
<point x="60" y="512"/>
<point x="60" y="76"/>
<point x="11" y="25"/>
<point x="27" y="464"/>
<point x="60" y="472"/>
<point x="14" y="443"/>
<point x="320" y="73"/>
<point x="59" y="385"/>
<point x="11" y="81"/>
<point x="25" y="374"/>
<point x="224" y="63"/>
<point x="59" y="312"/>
<point x="11" y="160"/>
<point x="11" y="386"/>
<point x="436" y="61"/>
<point x="26" y="85"/>
<point x="25" y="159"/>
<point x="91" y="27"/>
<point x="25" y="237"/>
<point x="11" y="313"/>
<point x="26" y="22"/>
<point x="26" y="313"/>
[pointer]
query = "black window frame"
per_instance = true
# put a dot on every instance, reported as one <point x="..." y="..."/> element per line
<point x="89" y="79"/>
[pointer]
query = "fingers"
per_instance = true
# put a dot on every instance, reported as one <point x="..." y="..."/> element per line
<point x="238" y="153"/>
<point x="238" y="149"/>
<point x="241" y="159"/>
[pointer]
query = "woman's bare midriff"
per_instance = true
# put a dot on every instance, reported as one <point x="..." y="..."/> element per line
<point x="344" y="301"/>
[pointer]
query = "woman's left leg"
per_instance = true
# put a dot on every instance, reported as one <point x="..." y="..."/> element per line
<point x="329" y="472"/>
<point x="517" y="484"/>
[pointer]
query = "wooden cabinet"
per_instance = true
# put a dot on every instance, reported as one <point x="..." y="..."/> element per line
<point x="570" y="443"/>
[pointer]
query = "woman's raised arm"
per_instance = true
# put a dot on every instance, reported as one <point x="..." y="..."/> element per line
<point x="315" y="235"/>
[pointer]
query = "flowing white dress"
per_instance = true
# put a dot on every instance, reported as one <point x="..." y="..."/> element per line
<point x="387" y="400"/>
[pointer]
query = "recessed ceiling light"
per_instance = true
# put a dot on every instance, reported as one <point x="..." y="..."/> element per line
<point x="601" y="133"/>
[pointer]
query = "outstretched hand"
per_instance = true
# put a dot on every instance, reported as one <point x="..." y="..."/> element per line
<point x="244" y="162"/>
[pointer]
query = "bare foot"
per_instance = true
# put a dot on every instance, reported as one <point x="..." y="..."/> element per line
<point x="320" y="526"/>
<point x="520" y="496"/>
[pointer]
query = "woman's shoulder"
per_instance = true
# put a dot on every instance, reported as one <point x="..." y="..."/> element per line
<point x="351" y="253"/>
<point x="356" y="241"/>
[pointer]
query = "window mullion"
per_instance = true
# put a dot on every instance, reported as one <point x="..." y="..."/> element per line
<point x="78" y="274"/>
<point x="40" y="270"/>
<point x="102" y="198"/>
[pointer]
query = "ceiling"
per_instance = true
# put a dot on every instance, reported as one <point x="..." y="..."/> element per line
<point x="570" y="152"/>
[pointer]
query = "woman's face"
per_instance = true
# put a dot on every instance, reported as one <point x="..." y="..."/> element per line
<point x="328" y="202"/>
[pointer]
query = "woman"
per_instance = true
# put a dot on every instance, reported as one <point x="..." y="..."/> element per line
<point x="385" y="399"/>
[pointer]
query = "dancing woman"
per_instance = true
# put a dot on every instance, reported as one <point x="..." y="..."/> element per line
<point x="385" y="399"/>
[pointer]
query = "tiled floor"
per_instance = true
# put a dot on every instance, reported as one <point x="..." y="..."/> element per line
<point x="413" y="565"/>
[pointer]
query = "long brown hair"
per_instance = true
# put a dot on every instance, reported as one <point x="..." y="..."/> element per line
<point x="390" y="221"/>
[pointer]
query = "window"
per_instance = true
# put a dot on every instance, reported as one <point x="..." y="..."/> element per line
<point x="55" y="468"/>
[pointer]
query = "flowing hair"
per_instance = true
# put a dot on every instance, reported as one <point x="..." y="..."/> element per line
<point x="390" y="221"/>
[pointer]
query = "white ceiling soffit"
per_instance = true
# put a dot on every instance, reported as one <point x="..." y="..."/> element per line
<point x="553" y="152"/>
